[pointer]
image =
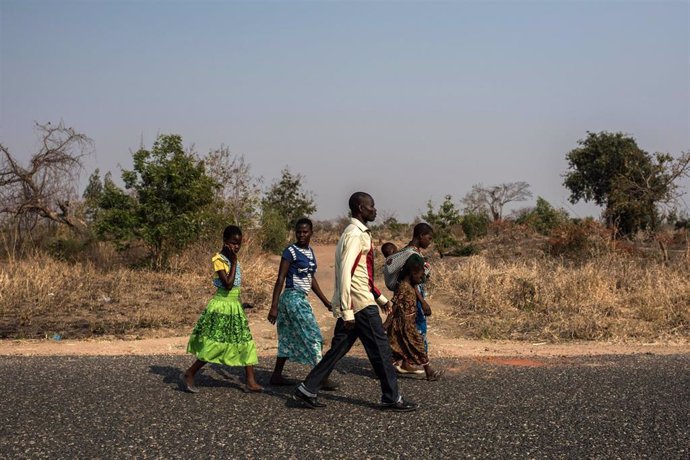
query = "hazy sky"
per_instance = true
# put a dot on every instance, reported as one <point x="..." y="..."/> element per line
<point x="407" y="100"/>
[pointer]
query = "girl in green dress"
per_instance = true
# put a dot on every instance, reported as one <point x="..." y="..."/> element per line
<point x="222" y="334"/>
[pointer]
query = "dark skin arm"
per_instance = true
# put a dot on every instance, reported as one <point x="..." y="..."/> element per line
<point x="391" y="313"/>
<point x="277" y="289"/>
<point x="389" y="318"/>
<point x="228" y="279"/>
<point x="425" y="305"/>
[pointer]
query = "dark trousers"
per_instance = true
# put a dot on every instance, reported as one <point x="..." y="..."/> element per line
<point x="369" y="329"/>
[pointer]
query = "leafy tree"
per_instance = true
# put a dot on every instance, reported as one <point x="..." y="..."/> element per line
<point x="544" y="217"/>
<point x="92" y="195"/>
<point x="288" y="200"/>
<point x="274" y="235"/>
<point x="611" y="170"/>
<point x="443" y="221"/>
<point x="168" y="192"/>
<point x="118" y="215"/>
<point x="492" y="199"/>
<point x="392" y="224"/>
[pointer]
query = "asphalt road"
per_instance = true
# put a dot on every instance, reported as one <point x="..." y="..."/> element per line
<point x="122" y="407"/>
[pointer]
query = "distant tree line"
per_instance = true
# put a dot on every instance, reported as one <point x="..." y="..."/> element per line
<point x="637" y="190"/>
<point x="172" y="196"/>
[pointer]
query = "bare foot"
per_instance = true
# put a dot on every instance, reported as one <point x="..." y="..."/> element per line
<point x="253" y="388"/>
<point x="188" y="380"/>
<point x="433" y="375"/>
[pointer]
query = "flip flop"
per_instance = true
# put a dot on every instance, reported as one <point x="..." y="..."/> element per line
<point x="400" y="370"/>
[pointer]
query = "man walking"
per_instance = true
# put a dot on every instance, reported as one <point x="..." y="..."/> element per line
<point x="355" y="303"/>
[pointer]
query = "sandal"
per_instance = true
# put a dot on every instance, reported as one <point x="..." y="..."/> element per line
<point x="401" y="370"/>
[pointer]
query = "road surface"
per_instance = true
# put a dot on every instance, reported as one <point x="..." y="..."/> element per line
<point x="635" y="406"/>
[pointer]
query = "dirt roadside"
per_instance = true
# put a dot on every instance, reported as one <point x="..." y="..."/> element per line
<point x="441" y="345"/>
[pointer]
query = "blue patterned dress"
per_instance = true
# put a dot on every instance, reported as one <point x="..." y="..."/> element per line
<point x="299" y="336"/>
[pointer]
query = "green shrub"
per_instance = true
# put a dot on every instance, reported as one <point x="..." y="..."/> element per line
<point x="287" y="199"/>
<point x="465" y="250"/>
<point x="443" y="222"/>
<point x="544" y="218"/>
<point x="475" y="225"/>
<point x="273" y="232"/>
<point x="67" y="249"/>
<point x="469" y="250"/>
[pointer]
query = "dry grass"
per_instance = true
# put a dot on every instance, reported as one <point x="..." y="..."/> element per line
<point x="514" y="289"/>
<point x="600" y="289"/>
<point x="41" y="296"/>
<point x="610" y="297"/>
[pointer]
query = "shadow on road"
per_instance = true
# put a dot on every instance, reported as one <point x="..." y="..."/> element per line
<point x="229" y="377"/>
<point x="220" y="376"/>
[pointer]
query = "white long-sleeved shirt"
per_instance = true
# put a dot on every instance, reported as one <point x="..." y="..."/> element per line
<point x="354" y="273"/>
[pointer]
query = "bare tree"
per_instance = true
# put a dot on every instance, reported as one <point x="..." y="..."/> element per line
<point x="44" y="188"/>
<point x="239" y="191"/>
<point x="492" y="199"/>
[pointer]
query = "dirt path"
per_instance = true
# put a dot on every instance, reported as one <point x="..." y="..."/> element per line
<point x="266" y="339"/>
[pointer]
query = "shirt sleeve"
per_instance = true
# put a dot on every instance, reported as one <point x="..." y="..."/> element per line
<point x="219" y="264"/>
<point x="381" y="300"/>
<point x="352" y="248"/>
<point x="287" y="255"/>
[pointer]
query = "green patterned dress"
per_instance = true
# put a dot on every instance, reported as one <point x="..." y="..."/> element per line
<point x="222" y="334"/>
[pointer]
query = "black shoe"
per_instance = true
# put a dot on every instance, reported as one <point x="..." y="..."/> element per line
<point x="310" y="402"/>
<point x="329" y="385"/>
<point x="400" y="406"/>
